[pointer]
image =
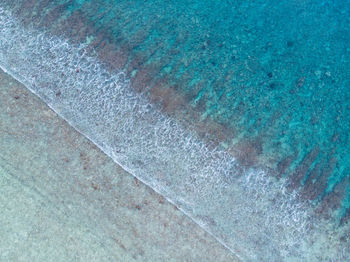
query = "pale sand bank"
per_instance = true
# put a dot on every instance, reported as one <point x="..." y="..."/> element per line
<point x="62" y="199"/>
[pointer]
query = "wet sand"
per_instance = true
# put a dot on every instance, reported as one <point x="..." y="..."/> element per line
<point x="62" y="199"/>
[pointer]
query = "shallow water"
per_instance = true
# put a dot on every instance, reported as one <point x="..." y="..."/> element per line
<point x="154" y="83"/>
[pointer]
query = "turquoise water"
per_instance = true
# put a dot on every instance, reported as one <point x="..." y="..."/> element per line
<point x="266" y="82"/>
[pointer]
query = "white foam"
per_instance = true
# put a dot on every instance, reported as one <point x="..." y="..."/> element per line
<point x="250" y="214"/>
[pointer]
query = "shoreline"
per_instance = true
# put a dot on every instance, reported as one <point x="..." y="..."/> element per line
<point x="69" y="186"/>
<point x="207" y="221"/>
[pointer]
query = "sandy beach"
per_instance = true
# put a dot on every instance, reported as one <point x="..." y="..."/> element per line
<point x="62" y="199"/>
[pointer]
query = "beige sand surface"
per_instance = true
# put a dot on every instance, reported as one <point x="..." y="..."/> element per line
<point x="62" y="199"/>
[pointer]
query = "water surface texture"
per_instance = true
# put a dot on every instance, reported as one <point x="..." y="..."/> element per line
<point x="236" y="111"/>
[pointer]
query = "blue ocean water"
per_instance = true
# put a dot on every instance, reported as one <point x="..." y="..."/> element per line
<point x="255" y="96"/>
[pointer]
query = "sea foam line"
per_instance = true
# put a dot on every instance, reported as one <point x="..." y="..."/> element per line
<point x="251" y="214"/>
